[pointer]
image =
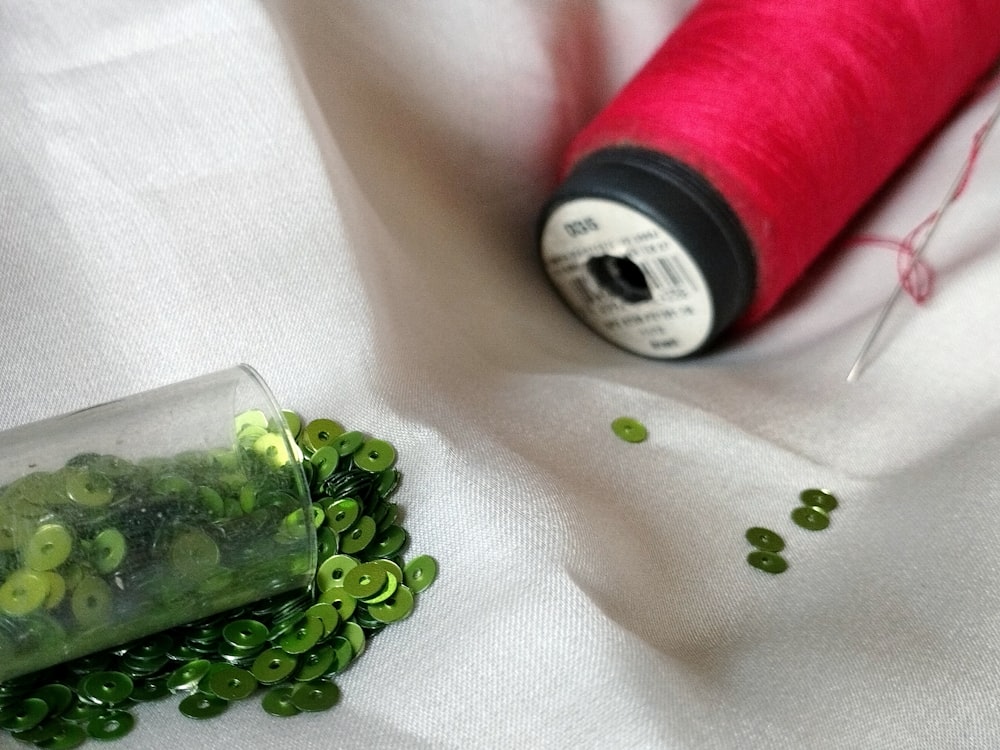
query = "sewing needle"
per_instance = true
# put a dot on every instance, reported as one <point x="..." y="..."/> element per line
<point x="956" y="187"/>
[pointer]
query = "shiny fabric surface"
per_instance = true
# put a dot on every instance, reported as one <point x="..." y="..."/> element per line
<point x="343" y="194"/>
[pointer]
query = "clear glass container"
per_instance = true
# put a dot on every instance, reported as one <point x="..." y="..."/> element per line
<point x="125" y="519"/>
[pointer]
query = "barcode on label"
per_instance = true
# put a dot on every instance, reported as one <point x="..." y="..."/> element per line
<point x="664" y="273"/>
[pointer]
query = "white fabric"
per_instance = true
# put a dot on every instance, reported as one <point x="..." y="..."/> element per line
<point x="343" y="195"/>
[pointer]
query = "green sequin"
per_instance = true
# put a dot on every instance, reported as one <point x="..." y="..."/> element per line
<point x="629" y="429"/>
<point x="288" y="646"/>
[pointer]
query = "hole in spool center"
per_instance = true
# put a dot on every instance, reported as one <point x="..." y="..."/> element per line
<point x="619" y="277"/>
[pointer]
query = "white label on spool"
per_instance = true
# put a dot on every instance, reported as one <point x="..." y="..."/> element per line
<point x="627" y="278"/>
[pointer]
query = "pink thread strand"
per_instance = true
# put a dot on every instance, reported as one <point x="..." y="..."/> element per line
<point x="916" y="275"/>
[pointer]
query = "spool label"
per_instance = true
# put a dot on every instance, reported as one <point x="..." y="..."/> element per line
<point x="627" y="278"/>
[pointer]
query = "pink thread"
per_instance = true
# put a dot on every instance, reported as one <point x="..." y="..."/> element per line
<point x="798" y="111"/>
<point x="916" y="276"/>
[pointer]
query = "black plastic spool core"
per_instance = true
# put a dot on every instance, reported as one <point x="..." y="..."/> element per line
<point x="620" y="277"/>
<point x="685" y="205"/>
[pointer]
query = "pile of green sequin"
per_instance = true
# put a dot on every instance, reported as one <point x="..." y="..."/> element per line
<point x="286" y="649"/>
<point x="813" y="515"/>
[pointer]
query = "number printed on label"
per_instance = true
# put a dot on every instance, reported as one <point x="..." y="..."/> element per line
<point x="581" y="226"/>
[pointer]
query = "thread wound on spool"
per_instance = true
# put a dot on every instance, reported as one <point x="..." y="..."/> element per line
<point x="793" y="113"/>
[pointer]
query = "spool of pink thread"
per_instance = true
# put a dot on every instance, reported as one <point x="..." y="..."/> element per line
<point x="702" y="192"/>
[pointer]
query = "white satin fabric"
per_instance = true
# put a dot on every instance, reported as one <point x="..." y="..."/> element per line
<point x="342" y="193"/>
